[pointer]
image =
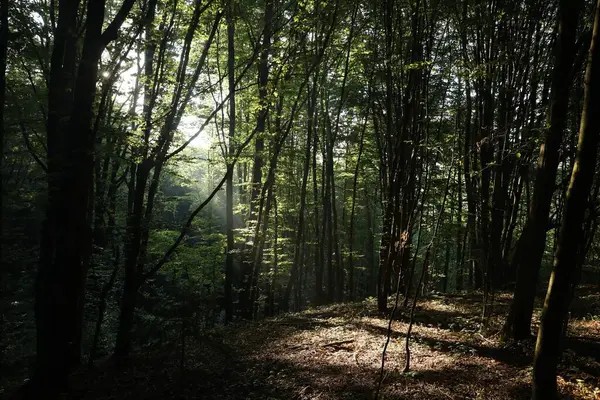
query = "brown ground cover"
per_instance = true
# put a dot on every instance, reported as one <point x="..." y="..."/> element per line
<point x="335" y="353"/>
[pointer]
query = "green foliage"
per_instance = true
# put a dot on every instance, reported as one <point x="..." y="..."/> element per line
<point x="407" y="103"/>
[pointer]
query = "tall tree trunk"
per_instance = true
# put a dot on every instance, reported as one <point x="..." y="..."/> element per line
<point x="468" y="168"/>
<point x="229" y="269"/>
<point x="486" y="152"/>
<point x="140" y="173"/>
<point x="66" y="241"/>
<point x="548" y="346"/>
<point x="421" y="215"/>
<point x="272" y="288"/>
<point x="299" y="241"/>
<point x="386" y="254"/>
<point x="327" y="222"/>
<point x="3" y="53"/>
<point x="459" y="237"/>
<point x="371" y="284"/>
<point x="263" y="80"/>
<point x="340" y="273"/>
<point x="319" y="251"/>
<point x="447" y="259"/>
<point x="530" y="247"/>
<point x="338" y="288"/>
<point x="259" y="146"/>
<point x="351" y="284"/>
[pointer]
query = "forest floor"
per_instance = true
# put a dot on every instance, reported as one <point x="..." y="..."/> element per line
<point x="335" y="352"/>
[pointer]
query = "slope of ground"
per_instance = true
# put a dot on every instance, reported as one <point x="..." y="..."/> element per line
<point x="335" y="353"/>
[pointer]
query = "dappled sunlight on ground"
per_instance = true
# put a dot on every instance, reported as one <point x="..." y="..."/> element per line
<point x="334" y="352"/>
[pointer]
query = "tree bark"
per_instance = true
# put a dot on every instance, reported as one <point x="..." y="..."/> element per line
<point x="351" y="284"/>
<point x="299" y="241"/>
<point x="531" y="244"/>
<point x="229" y="270"/>
<point x="66" y="241"/>
<point x="319" y="251"/>
<point x="263" y="80"/>
<point x="548" y="346"/>
<point x="3" y="53"/>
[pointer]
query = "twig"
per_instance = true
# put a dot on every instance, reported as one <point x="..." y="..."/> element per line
<point x="338" y="343"/>
<point x="355" y="356"/>
<point x="484" y="338"/>
<point x="292" y="323"/>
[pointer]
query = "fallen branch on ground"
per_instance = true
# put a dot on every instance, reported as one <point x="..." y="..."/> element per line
<point x="338" y="343"/>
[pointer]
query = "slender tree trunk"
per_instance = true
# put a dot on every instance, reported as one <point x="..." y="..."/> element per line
<point x="327" y="234"/>
<point x="468" y="169"/>
<point x="371" y="285"/>
<point x="339" y="271"/>
<point x="548" y="346"/>
<point x="386" y="253"/>
<point x="140" y="173"/>
<point x="447" y="261"/>
<point x="531" y="244"/>
<point x="3" y="53"/>
<point x="299" y="243"/>
<point x="272" y="288"/>
<point x="319" y="251"/>
<point x="421" y="215"/>
<point x="259" y="146"/>
<point x="486" y="152"/>
<point x="351" y="284"/>
<point x="382" y="287"/>
<point x="459" y="237"/>
<point x="229" y="269"/>
<point x="263" y="80"/>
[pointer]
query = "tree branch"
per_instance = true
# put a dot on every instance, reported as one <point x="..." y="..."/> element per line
<point x="110" y="33"/>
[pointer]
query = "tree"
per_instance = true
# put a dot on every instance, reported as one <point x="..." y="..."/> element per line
<point x="66" y="236"/>
<point x="3" y="53"/>
<point x="229" y="267"/>
<point x="548" y="346"/>
<point x="259" y="145"/>
<point x="531" y="245"/>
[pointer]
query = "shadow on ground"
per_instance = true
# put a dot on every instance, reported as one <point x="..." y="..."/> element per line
<point x="300" y="356"/>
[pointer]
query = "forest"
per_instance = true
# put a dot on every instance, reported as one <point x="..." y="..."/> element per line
<point x="299" y="199"/>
